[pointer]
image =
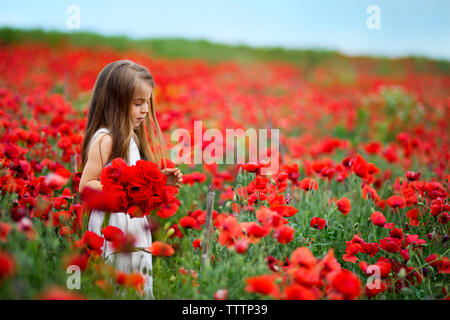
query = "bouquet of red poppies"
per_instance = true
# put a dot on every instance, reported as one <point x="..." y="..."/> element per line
<point x="137" y="190"/>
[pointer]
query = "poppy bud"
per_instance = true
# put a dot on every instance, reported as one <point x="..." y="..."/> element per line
<point x="445" y="238"/>
<point x="170" y="232"/>
<point x="402" y="273"/>
<point x="406" y="227"/>
<point x="239" y="177"/>
<point x="425" y="271"/>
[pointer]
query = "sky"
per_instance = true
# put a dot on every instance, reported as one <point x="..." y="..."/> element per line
<point x="406" y="27"/>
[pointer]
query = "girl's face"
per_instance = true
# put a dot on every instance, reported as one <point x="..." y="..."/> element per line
<point x="140" y="103"/>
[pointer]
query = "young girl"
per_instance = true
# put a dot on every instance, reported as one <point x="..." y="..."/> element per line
<point x="117" y="126"/>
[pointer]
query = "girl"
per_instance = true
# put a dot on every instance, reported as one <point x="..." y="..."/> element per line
<point x="117" y="126"/>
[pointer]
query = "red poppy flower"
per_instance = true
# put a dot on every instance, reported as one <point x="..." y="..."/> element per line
<point x="298" y="292"/>
<point x="413" y="216"/>
<point x="229" y="229"/>
<point x="54" y="181"/>
<point x="391" y="244"/>
<point x="317" y="223"/>
<point x="93" y="242"/>
<point x="116" y="173"/>
<point x="438" y="206"/>
<point x="163" y="249"/>
<point x="396" y="202"/>
<point x="384" y="266"/>
<point x="329" y="263"/>
<point x="359" y="167"/>
<point x="106" y="201"/>
<point x="189" y="222"/>
<point x="433" y="260"/>
<point x="405" y="254"/>
<point x="413" y="239"/>
<point x="269" y="217"/>
<point x="443" y="218"/>
<point x="5" y="228"/>
<point x="56" y="293"/>
<point x="135" y="212"/>
<point x="76" y="181"/>
<point x="389" y="225"/>
<point x="148" y="172"/>
<point x="257" y="231"/>
<point x="344" y="205"/>
<point x="373" y="290"/>
<point x="7" y="265"/>
<point x="370" y="248"/>
<point x="134" y="280"/>
<point x="197" y="244"/>
<point x="251" y="167"/>
<point x="80" y="260"/>
<point x="412" y="176"/>
<point x="114" y="235"/>
<point x="351" y="251"/>
<point x="373" y="148"/>
<point x="308" y="184"/>
<point x="241" y="245"/>
<point x="378" y="219"/>
<point x="347" y="284"/>
<point x="284" y="234"/>
<point x="390" y="154"/>
<point x="303" y="257"/>
<point x="260" y="284"/>
<point x="12" y="151"/>
<point x="284" y="210"/>
<point x="396" y="233"/>
<point x="194" y="177"/>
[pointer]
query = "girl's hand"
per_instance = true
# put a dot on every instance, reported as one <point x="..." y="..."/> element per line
<point x="174" y="176"/>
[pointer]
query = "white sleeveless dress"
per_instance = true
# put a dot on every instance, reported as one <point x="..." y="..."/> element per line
<point x="138" y="227"/>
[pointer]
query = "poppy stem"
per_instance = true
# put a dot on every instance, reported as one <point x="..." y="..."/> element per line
<point x="208" y="226"/>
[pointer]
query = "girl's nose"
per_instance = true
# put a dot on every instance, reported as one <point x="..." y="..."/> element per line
<point x="145" y="108"/>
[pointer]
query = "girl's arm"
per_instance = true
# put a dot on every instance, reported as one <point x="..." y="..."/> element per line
<point x="99" y="152"/>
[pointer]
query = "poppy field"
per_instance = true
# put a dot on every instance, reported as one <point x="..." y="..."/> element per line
<point x="358" y="209"/>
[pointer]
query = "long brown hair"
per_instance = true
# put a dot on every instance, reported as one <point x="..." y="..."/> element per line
<point x="110" y="108"/>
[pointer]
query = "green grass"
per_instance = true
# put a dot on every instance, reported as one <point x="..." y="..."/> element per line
<point x="215" y="52"/>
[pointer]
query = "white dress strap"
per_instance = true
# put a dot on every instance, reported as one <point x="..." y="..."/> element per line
<point x="94" y="136"/>
<point x="101" y="130"/>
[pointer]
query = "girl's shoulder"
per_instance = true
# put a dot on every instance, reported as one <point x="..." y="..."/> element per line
<point x="101" y="130"/>
<point x="98" y="149"/>
<point x="106" y="130"/>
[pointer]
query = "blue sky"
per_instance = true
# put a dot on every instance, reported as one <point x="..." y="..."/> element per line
<point x="419" y="27"/>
